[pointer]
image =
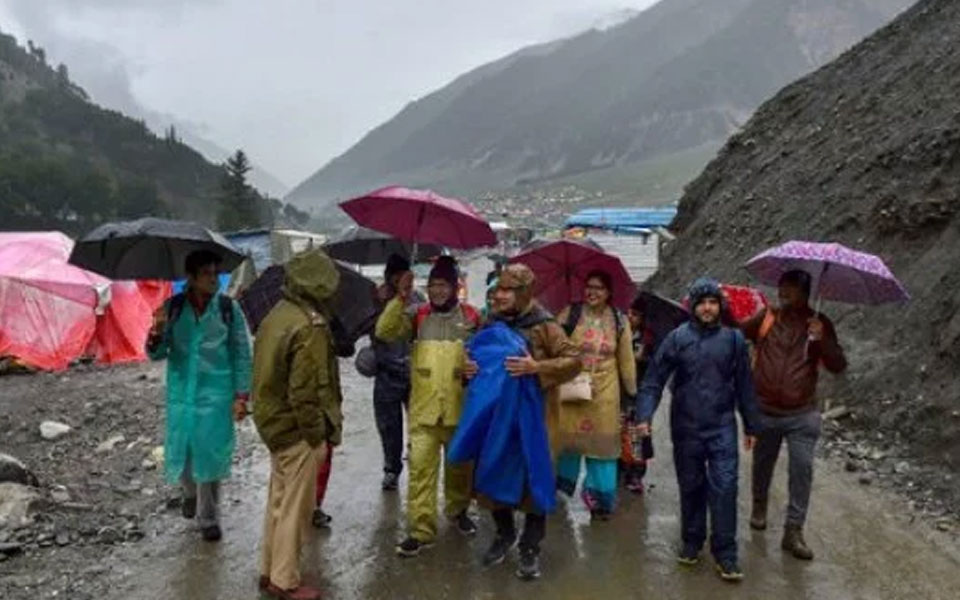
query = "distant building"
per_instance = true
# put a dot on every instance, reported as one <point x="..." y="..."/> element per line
<point x="633" y="234"/>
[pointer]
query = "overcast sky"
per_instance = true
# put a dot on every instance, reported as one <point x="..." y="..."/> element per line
<point x="293" y="82"/>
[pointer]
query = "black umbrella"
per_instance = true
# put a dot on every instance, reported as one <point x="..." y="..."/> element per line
<point x="355" y="308"/>
<point x="149" y="249"/>
<point x="362" y="246"/>
<point x="662" y="315"/>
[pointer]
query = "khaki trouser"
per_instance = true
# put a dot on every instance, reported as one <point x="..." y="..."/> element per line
<point x="290" y="500"/>
<point x="426" y="442"/>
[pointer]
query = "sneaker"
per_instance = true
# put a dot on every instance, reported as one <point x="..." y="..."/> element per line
<point x="321" y="520"/>
<point x="189" y="508"/>
<point x="689" y="556"/>
<point x="498" y="550"/>
<point x="465" y="524"/>
<point x="390" y="482"/>
<point x="590" y="501"/>
<point x="211" y="533"/>
<point x="529" y="567"/>
<point x="730" y="571"/>
<point x="412" y="547"/>
<point x="299" y="593"/>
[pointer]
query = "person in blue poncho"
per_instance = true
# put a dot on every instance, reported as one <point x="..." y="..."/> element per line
<point x="710" y="367"/>
<point x="553" y="359"/>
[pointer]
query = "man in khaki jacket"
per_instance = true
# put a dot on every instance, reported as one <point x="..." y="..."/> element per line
<point x="296" y="388"/>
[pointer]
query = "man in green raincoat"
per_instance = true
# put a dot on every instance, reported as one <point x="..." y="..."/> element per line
<point x="203" y="335"/>
<point x="297" y="398"/>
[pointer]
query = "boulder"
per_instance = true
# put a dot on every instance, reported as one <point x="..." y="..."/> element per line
<point x="15" y="502"/>
<point x="51" y="430"/>
<point x="12" y="470"/>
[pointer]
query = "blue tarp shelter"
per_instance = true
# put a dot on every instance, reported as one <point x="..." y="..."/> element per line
<point x="623" y="219"/>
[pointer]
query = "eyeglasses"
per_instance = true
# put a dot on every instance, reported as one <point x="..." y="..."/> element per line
<point x="596" y="288"/>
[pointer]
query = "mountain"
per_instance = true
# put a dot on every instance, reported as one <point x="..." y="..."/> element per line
<point x="68" y="164"/>
<point x="260" y="178"/>
<point x="680" y="75"/>
<point x="866" y="151"/>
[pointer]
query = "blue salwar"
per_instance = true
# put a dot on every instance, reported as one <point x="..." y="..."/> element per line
<point x="600" y="484"/>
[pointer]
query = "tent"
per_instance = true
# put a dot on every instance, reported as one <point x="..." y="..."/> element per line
<point x="52" y="313"/>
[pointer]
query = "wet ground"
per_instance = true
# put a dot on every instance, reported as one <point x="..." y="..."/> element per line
<point x="866" y="547"/>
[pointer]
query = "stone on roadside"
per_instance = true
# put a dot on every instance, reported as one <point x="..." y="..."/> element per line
<point x="837" y="412"/>
<point x="12" y="470"/>
<point x="59" y="494"/>
<point x="866" y="479"/>
<point x="944" y="525"/>
<point x="156" y="455"/>
<point x="110" y="443"/>
<point x="51" y="430"/>
<point x="851" y="466"/>
<point x="10" y="548"/>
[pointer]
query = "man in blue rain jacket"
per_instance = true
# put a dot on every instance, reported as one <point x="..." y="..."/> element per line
<point x="711" y="380"/>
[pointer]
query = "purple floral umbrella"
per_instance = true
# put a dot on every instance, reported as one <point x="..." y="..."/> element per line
<point x="839" y="273"/>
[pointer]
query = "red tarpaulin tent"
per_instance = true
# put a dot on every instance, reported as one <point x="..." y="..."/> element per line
<point x="49" y="308"/>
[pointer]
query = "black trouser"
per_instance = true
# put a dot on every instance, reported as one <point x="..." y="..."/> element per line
<point x="534" y="528"/>
<point x="389" y="400"/>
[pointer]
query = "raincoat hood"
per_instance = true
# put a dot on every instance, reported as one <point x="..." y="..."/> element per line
<point x="702" y="288"/>
<point x="312" y="277"/>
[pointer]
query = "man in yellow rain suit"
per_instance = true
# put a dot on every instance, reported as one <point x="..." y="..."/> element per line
<point x="439" y="368"/>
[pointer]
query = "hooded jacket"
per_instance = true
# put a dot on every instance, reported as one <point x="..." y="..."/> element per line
<point x="296" y="378"/>
<point x="710" y="366"/>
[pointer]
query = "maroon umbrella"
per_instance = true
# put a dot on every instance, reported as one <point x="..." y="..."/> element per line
<point x="421" y="216"/>
<point x="562" y="267"/>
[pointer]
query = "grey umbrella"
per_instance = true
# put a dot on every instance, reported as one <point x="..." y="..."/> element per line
<point x="149" y="249"/>
<point x="362" y="246"/>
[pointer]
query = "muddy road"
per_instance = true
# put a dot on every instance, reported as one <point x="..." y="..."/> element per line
<point x="866" y="545"/>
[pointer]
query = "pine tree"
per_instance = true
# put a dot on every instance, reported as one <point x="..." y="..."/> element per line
<point x="238" y="201"/>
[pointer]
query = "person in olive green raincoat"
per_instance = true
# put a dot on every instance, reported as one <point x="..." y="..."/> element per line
<point x="297" y="410"/>
<point x="439" y="367"/>
<point x="203" y="336"/>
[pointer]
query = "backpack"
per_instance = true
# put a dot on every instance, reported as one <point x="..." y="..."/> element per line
<point x="576" y="310"/>
<point x="176" y="307"/>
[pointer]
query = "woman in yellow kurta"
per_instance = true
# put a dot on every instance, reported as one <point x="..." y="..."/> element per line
<point x="590" y="430"/>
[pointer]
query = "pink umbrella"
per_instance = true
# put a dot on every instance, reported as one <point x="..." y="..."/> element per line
<point x="421" y="216"/>
<point x="47" y="306"/>
<point x="562" y="267"/>
<point x="839" y="273"/>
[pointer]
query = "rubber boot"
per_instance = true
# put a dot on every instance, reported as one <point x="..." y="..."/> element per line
<point x="794" y="543"/>
<point x="758" y="516"/>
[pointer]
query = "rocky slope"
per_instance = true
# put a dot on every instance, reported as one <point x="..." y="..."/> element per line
<point x="866" y="151"/>
<point x="679" y="75"/>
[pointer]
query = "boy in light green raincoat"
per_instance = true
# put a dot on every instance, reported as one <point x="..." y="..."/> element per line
<point x="204" y="338"/>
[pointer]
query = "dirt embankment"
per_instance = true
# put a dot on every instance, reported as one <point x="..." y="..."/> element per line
<point x="866" y="151"/>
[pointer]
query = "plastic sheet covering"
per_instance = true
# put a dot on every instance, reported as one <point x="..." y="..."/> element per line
<point x="502" y="428"/>
<point x="121" y="333"/>
<point x="47" y="306"/>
